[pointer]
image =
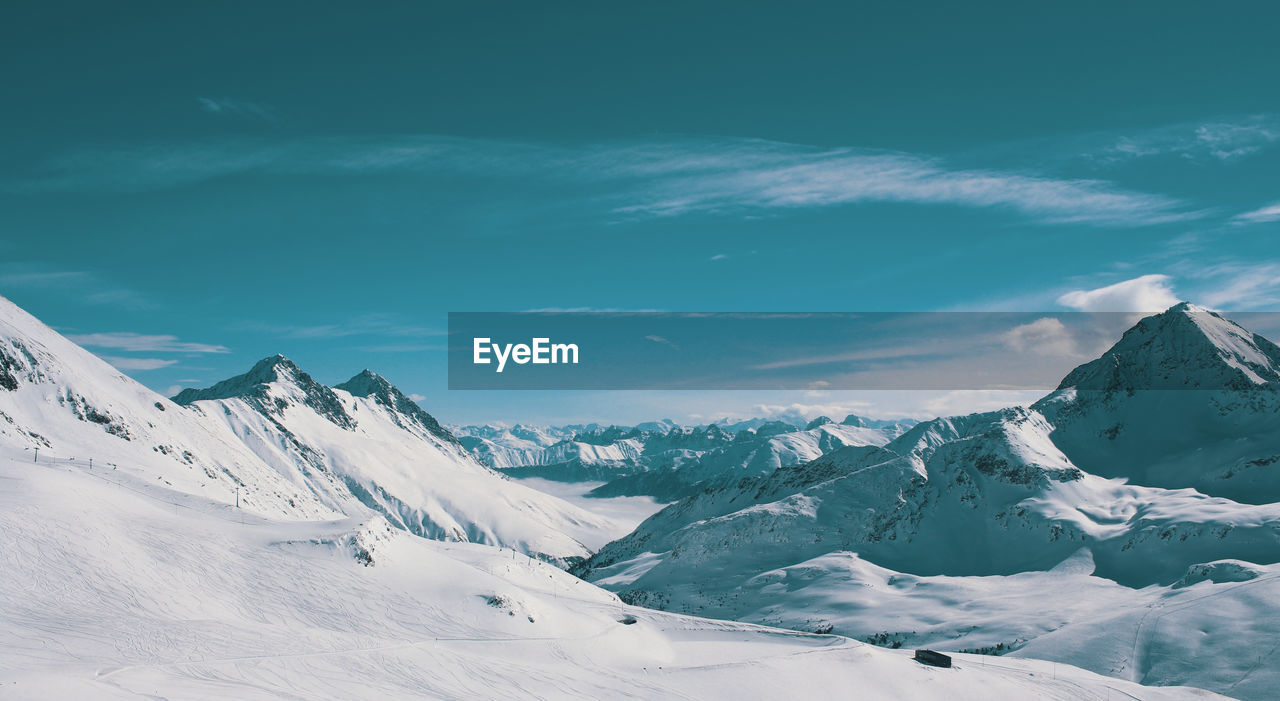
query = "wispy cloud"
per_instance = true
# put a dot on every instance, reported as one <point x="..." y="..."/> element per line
<point x="589" y="310"/>
<point x="237" y="108"/>
<point x="121" y="298"/>
<point x="83" y="287"/>
<point x="1219" y="140"/>
<point x="368" y="325"/>
<point x="1261" y="215"/>
<point x="1238" y="285"/>
<point x="138" y="363"/>
<point x="401" y="348"/>
<point x="41" y="279"/>
<point x="135" y="342"/>
<point x="784" y="176"/>
<point x="662" y="341"/>
<point x="872" y="354"/>
<point x="653" y="179"/>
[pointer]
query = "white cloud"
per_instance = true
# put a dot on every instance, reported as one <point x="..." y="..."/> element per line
<point x="806" y="411"/>
<point x="1262" y="215"/>
<point x="718" y="256"/>
<point x="1149" y="293"/>
<point x="1046" y="336"/>
<point x="1226" y="141"/>
<point x="137" y="363"/>
<point x="417" y="397"/>
<point x="135" y="342"/>
<point x="1222" y="140"/>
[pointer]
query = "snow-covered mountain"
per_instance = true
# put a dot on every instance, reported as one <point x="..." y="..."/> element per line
<point x="58" y="402"/>
<point x="364" y="444"/>
<point x="138" y="575"/>
<point x="1185" y="399"/>
<point x="275" y="441"/>
<point x="995" y="505"/>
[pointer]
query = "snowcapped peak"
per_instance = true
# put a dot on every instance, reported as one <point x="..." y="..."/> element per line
<point x="270" y="386"/>
<point x="267" y="371"/>
<point x="854" y="420"/>
<point x="273" y="369"/>
<point x="366" y="383"/>
<point x="1184" y="347"/>
<point x="773" y="428"/>
<point x="820" y="421"/>
<point x="373" y="386"/>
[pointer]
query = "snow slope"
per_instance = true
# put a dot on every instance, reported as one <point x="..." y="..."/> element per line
<point x="118" y="587"/>
<point x="59" y="401"/>
<point x="1214" y="627"/>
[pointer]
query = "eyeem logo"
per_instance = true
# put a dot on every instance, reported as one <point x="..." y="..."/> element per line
<point x="540" y="352"/>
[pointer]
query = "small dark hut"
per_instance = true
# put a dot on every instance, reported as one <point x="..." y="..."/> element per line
<point x="933" y="659"/>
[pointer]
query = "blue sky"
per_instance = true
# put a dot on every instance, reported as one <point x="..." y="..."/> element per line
<point x="185" y="190"/>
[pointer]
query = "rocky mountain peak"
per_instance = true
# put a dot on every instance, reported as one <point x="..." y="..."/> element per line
<point x="268" y="385"/>
<point x="371" y="385"/>
<point x="820" y="421"/>
<point x="1184" y="347"/>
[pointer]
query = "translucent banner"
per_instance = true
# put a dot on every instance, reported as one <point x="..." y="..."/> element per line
<point x="877" y="350"/>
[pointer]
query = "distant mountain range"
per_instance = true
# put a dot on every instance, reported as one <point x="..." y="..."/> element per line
<point x="663" y="459"/>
